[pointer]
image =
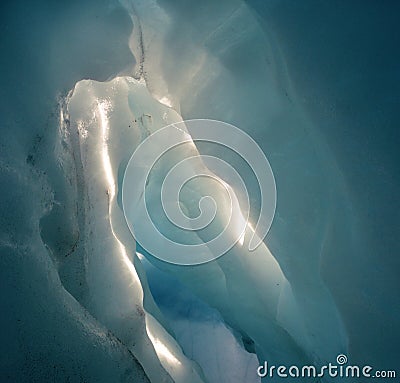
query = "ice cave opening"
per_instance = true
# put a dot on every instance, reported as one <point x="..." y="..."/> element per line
<point x="86" y="83"/>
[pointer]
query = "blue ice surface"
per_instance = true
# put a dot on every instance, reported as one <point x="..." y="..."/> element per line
<point x="344" y="62"/>
<point x="343" y="59"/>
<point x="200" y="329"/>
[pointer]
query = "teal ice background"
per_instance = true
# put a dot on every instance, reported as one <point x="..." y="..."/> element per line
<point x="315" y="83"/>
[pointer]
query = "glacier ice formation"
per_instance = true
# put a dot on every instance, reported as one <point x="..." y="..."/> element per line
<point x="87" y="303"/>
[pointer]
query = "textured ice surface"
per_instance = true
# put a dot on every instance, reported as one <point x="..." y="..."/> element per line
<point x="201" y="331"/>
<point x="316" y="84"/>
<point x="240" y="77"/>
<point x="47" y="335"/>
<point x="106" y="120"/>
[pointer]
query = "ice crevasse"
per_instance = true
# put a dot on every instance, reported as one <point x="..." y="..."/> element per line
<point x="159" y="322"/>
<point x="277" y="307"/>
